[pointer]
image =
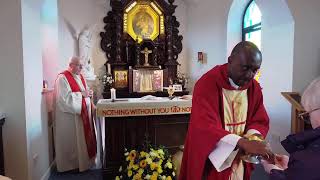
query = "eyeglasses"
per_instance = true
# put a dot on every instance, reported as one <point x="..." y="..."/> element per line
<point x="305" y="116"/>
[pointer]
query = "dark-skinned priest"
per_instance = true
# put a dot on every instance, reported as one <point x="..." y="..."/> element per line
<point x="227" y="108"/>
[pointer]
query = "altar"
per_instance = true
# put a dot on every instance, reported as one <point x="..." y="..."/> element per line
<point x="128" y="120"/>
<point x="142" y="43"/>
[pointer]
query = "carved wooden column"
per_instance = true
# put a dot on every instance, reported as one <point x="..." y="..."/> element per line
<point x="118" y="18"/>
<point x="108" y="44"/>
<point x="172" y="33"/>
<point x="138" y="49"/>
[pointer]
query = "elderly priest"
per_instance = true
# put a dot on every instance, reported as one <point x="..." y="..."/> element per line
<point x="75" y="140"/>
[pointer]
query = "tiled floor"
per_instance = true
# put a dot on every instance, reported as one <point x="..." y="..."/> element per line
<point x="258" y="174"/>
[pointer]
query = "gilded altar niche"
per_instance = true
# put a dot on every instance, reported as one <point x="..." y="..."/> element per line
<point x="143" y="20"/>
<point x="141" y="40"/>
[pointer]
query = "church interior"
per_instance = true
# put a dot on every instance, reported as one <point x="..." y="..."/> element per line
<point x="134" y="48"/>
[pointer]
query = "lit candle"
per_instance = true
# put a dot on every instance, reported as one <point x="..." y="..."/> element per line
<point x="113" y="94"/>
<point x="109" y="68"/>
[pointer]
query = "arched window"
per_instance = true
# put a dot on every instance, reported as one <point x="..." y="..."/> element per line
<point x="251" y="27"/>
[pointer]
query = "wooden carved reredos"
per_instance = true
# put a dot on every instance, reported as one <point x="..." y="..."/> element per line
<point x="123" y="51"/>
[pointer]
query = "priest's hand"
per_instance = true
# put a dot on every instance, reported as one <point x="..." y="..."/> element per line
<point x="256" y="148"/>
<point x="90" y="93"/>
<point x="85" y="93"/>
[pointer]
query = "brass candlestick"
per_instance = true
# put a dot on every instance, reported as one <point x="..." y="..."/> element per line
<point x="170" y="92"/>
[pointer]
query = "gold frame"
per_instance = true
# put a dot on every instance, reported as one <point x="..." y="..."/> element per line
<point x="157" y="80"/>
<point x="143" y="20"/>
<point x="120" y="78"/>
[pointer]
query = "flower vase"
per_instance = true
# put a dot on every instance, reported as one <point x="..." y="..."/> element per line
<point x="107" y="88"/>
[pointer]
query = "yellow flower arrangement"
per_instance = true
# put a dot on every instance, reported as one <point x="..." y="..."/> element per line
<point x="132" y="155"/>
<point x="143" y="163"/>
<point x="151" y="163"/>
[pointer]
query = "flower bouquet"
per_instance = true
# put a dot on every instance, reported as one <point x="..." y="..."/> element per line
<point x="151" y="163"/>
<point x="107" y="81"/>
<point x="181" y="79"/>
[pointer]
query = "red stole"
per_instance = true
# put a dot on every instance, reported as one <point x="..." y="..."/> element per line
<point x="89" y="132"/>
<point x="206" y="126"/>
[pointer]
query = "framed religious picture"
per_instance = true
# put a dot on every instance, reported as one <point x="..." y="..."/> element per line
<point x="147" y="80"/>
<point x="120" y="78"/>
<point x="143" y="20"/>
<point x="200" y="57"/>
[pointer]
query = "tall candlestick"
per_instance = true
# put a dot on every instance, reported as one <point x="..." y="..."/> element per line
<point x="113" y="94"/>
<point x="109" y="68"/>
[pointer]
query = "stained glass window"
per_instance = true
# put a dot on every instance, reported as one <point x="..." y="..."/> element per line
<point x="251" y="30"/>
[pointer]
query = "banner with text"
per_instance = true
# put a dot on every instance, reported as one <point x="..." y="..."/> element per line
<point x="142" y="111"/>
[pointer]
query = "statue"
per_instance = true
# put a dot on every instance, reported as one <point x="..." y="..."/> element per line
<point x="85" y="52"/>
<point x="83" y="49"/>
<point x="146" y="53"/>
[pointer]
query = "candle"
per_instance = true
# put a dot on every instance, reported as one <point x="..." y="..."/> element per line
<point x="113" y="94"/>
<point x="109" y="68"/>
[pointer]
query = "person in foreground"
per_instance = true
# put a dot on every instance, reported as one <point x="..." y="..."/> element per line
<point x="227" y="105"/>
<point x="75" y="140"/>
<point x="304" y="147"/>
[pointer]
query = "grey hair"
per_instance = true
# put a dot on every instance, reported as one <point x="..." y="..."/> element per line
<point x="311" y="96"/>
<point x="74" y="59"/>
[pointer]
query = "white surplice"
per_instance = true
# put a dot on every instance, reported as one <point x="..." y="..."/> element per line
<point x="70" y="143"/>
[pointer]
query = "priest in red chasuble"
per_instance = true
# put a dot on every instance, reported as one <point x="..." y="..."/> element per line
<point x="227" y="105"/>
<point x="75" y="140"/>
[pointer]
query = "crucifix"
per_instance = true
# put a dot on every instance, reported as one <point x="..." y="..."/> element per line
<point x="146" y="53"/>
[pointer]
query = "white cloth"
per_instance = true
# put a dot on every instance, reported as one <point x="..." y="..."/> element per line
<point x="70" y="144"/>
<point x="223" y="155"/>
<point x="233" y="84"/>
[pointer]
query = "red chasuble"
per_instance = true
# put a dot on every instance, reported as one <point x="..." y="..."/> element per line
<point x="89" y="132"/>
<point x="207" y="127"/>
